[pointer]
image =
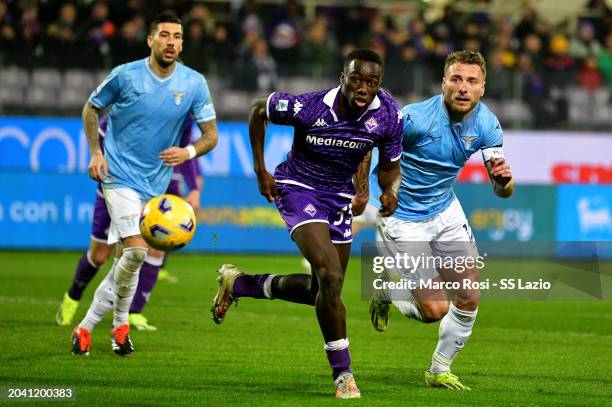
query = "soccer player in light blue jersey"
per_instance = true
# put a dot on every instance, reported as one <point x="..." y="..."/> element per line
<point x="440" y="134"/>
<point x="149" y="100"/>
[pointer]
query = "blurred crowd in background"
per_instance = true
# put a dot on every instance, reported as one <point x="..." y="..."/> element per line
<point x="254" y="47"/>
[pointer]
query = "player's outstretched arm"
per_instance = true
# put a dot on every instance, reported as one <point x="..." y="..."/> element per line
<point x="97" y="162"/>
<point x="362" y="185"/>
<point x="174" y="156"/>
<point x="389" y="178"/>
<point x="257" y="134"/>
<point x="501" y="177"/>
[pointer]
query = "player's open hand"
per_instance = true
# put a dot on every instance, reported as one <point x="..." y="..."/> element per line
<point x="500" y="171"/>
<point x="97" y="166"/>
<point x="267" y="185"/>
<point x="388" y="203"/>
<point x="359" y="204"/>
<point x="174" y="156"/>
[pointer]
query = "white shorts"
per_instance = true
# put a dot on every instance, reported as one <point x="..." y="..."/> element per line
<point x="447" y="234"/>
<point x="369" y="216"/>
<point x="124" y="207"/>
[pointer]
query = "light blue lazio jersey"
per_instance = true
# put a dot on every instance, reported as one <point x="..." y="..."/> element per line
<point x="435" y="149"/>
<point x="148" y="115"/>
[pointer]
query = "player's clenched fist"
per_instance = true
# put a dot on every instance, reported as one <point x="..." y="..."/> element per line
<point x="500" y="170"/>
<point x="388" y="203"/>
<point x="267" y="186"/>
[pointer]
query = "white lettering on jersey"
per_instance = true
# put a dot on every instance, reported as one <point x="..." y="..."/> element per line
<point x="336" y="142"/>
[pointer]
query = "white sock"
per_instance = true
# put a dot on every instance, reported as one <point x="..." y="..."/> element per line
<point x="338" y="344"/>
<point x="126" y="281"/>
<point x="455" y="330"/>
<point x="267" y="286"/>
<point x="102" y="301"/>
<point x="410" y="309"/>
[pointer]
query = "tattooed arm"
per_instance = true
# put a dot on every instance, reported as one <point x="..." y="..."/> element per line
<point x="97" y="162"/>
<point x="362" y="185"/>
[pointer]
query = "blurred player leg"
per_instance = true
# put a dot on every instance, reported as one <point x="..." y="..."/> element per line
<point x="164" y="275"/>
<point x="89" y="263"/>
<point x="87" y="268"/>
<point x="146" y="282"/>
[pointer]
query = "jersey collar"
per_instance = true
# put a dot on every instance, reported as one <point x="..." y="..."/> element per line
<point x="148" y="65"/>
<point x="330" y="98"/>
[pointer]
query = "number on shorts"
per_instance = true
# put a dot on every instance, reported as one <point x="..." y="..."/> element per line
<point x="346" y="211"/>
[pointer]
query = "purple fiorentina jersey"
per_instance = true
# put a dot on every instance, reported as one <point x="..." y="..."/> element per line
<point x="326" y="151"/>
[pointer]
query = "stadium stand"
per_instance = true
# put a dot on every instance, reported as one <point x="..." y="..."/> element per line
<point x="549" y="66"/>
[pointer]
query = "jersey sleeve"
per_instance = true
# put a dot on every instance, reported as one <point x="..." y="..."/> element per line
<point x="108" y="91"/>
<point x="202" y="108"/>
<point x="391" y="148"/>
<point x="493" y="139"/>
<point x="284" y="108"/>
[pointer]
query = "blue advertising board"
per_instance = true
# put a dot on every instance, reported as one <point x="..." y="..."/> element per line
<point x="584" y="221"/>
<point x="59" y="145"/>
<point x="54" y="211"/>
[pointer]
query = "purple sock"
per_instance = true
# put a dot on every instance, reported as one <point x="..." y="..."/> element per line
<point x="249" y="286"/>
<point x="146" y="282"/>
<point x="85" y="272"/>
<point x="340" y="361"/>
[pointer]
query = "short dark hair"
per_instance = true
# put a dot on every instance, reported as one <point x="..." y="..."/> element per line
<point x="363" y="54"/>
<point x="466" y="57"/>
<point x="165" y="17"/>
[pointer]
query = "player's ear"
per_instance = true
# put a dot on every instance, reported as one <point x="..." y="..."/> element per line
<point x="342" y="76"/>
<point x="150" y="41"/>
<point x="482" y="92"/>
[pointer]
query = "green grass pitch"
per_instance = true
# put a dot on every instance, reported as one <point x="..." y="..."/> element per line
<point x="271" y="352"/>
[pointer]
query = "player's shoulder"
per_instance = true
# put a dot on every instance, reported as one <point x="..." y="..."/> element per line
<point x="129" y="72"/>
<point x="190" y="75"/>
<point x="387" y="101"/>
<point x="314" y="96"/>
<point x="485" y="117"/>
<point x="129" y="68"/>
<point x="427" y="107"/>
<point x="388" y="110"/>
<point x="422" y="114"/>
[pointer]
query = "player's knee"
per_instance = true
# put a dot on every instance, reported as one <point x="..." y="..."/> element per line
<point x="433" y="311"/>
<point x="467" y="304"/>
<point x="99" y="257"/>
<point x="330" y="283"/>
<point x="134" y="257"/>
<point x="323" y="260"/>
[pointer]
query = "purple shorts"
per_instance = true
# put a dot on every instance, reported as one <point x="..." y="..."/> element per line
<point x="101" y="219"/>
<point x="298" y="206"/>
<point x="174" y="188"/>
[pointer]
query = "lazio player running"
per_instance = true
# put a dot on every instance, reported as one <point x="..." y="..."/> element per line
<point x="99" y="251"/>
<point x="150" y="100"/>
<point x="334" y="130"/>
<point x="440" y="134"/>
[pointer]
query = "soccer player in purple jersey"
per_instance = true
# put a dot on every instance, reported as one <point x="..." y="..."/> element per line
<point x="99" y="251"/>
<point x="334" y="130"/>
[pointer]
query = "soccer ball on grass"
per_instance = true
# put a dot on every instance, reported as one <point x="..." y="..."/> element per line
<point x="167" y="222"/>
